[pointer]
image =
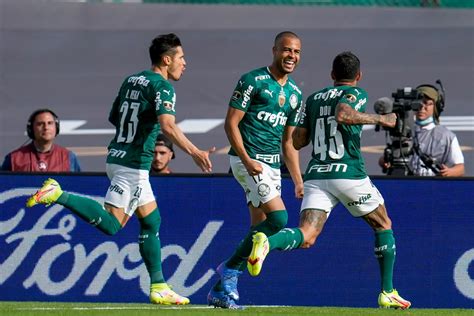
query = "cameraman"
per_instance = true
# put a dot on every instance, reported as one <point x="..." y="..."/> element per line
<point x="436" y="149"/>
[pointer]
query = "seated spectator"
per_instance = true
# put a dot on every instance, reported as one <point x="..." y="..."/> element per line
<point x="41" y="154"/>
<point x="163" y="154"/>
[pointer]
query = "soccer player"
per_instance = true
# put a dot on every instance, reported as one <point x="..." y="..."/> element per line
<point x="332" y="120"/>
<point x="145" y="103"/>
<point x="259" y="123"/>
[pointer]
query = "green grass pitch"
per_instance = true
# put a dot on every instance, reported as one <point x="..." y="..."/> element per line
<point x="120" y="309"/>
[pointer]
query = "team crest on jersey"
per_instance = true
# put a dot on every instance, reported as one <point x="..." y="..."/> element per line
<point x="293" y="101"/>
<point x="351" y="98"/>
<point x="168" y="105"/>
<point x="281" y="98"/>
<point x="236" y="95"/>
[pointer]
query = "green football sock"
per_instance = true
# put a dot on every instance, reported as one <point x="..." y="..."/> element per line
<point x="286" y="239"/>
<point x="275" y="221"/>
<point x="150" y="245"/>
<point x="385" y="252"/>
<point x="91" y="211"/>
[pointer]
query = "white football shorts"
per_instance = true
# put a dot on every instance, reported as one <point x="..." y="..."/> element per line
<point x="258" y="189"/>
<point x="359" y="197"/>
<point x="129" y="188"/>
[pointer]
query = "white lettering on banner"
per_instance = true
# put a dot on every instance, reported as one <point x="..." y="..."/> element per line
<point x="463" y="281"/>
<point x="115" y="257"/>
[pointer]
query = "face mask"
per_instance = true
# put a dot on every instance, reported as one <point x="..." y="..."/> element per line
<point x="425" y="121"/>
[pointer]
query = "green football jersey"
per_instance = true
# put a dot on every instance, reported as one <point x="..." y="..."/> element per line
<point x="336" y="147"/>
<point x="141" y="99"/>
<point x="268" y="108"/>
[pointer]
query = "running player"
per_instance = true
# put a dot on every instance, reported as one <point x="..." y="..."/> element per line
<point x="332" y="121"/>
<point x="260" y="120"/>
<point x="145" y="103"/>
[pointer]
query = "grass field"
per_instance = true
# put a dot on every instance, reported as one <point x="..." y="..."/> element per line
<point x="111" y="309"/>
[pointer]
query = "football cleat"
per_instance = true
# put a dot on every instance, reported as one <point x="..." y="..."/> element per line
<point x="392" y="300"/>
<point x="229" y="279"/>
<point x="47" y="194"/>
<point x="160" y="293"/>
<point x="221" y="300"/>
<point x="260" y="250"/>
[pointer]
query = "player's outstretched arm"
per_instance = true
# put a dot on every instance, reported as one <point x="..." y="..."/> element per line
<point x="176" y="135"/>
<point x="345" y="114"/>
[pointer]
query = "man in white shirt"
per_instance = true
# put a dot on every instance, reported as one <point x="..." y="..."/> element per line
<point x="436" y="149"/>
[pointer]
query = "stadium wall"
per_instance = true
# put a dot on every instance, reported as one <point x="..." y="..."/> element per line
<point x="382" y="3"/>
<point x="50" y="255"/>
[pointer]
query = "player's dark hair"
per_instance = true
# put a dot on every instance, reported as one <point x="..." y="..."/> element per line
<point x="284" y="34"/>
<point x="162" y="44"/>
<point x="345" y="66"/>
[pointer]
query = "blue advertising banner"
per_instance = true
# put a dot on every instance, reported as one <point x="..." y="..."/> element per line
<point x="49" y="254"/>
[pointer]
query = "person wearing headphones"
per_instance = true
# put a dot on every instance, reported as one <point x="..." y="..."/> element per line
<point x="436" y="149"/>
<point x="42" y="154"/>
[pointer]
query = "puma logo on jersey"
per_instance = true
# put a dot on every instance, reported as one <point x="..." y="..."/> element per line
<point x="269" y="92"/>
<point x="167" y="91"/>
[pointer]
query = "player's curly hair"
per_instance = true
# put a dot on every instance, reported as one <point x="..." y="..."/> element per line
<point x="163" y="44"/>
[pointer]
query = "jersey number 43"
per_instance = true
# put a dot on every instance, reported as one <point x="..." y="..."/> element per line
<point x="327" y="139"/>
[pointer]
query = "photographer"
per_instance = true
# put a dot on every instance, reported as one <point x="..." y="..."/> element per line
<point x="436" y="149"/>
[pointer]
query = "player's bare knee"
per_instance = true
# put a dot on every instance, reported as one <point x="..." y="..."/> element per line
<point x="378" y="219"/>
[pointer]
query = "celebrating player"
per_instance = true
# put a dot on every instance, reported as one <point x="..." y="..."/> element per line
<point x="145" y="102"/>
<point x="261" y="112"/>
<point x="332" y="120"/>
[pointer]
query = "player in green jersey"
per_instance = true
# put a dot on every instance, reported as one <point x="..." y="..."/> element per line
<point x="144" y="105"/>
<point x="261" y="117"/>
<point x="332" y="121"/>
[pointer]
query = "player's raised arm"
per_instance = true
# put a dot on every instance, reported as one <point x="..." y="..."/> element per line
<point x="345" y="114"/>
